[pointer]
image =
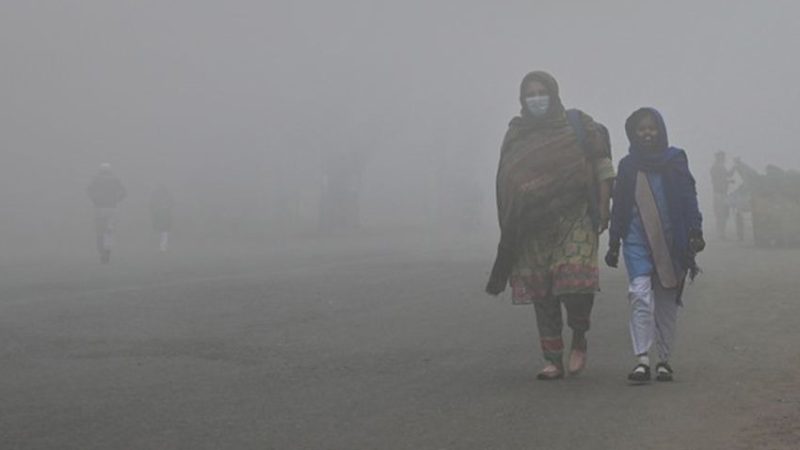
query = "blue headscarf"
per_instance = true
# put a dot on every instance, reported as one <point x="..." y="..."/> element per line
<point x="679" y="186"/>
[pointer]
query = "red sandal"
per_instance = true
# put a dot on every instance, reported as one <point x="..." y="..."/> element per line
<point x="577" y="361"/>
<point x="550" y="372"/>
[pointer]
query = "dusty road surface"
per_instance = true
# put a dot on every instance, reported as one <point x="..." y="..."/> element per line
<point x="377" y="344"/>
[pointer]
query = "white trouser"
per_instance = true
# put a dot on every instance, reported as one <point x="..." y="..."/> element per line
<point x="653" y="315"/>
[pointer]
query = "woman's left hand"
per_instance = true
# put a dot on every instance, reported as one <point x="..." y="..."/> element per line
<point x="696" y="242"/>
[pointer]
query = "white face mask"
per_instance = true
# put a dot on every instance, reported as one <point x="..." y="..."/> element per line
<point x="538" y="105"/>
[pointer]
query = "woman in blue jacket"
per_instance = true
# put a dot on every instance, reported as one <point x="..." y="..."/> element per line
<point x="656" y="217"/>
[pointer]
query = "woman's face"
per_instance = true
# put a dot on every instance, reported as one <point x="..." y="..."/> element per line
<point x="534" y="88"/>
<point x="647" y="132"/>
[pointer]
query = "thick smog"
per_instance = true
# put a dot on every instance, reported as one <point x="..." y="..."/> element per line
<point x="395" y="225"/>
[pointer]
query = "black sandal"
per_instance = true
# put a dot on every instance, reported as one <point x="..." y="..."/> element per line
<point x="663" y="372"/>
<point x="640" y="374"/>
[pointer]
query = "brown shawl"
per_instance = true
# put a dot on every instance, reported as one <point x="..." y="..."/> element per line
<point x="542" y="170"/>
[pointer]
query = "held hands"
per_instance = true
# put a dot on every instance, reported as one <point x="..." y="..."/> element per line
<point x="612" y="256"/>
<point x="696" y="242"/>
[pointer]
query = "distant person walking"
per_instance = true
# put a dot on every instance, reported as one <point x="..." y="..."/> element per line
<point x="105" y="192"/>
<point x="721" y="179"/>
<point x="553" y="188"/>
<point x="740" y="200"/>
<point x="656" y="217"/>
<point x="161" y="204"/>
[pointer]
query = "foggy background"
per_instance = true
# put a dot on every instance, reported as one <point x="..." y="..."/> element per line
<point x="239" y="107"/>
<point x="271" y="121"/>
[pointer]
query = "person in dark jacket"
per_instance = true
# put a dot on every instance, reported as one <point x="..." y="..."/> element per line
<point x="721" y="180"/>
<point x="656" y="217"/>
<point x="106" y="192"/>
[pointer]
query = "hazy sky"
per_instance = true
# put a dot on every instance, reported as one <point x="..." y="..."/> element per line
<point x="216" y="97"/>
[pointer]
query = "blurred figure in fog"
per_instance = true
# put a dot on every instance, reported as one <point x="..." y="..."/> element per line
<point x="161" y="211"/>
<point x="105" y="192"/>
<point x="721" y="179"/>
<point x="740" y="200"/>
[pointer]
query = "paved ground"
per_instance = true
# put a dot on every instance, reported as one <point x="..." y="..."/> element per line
<point x="345" y="344"/>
